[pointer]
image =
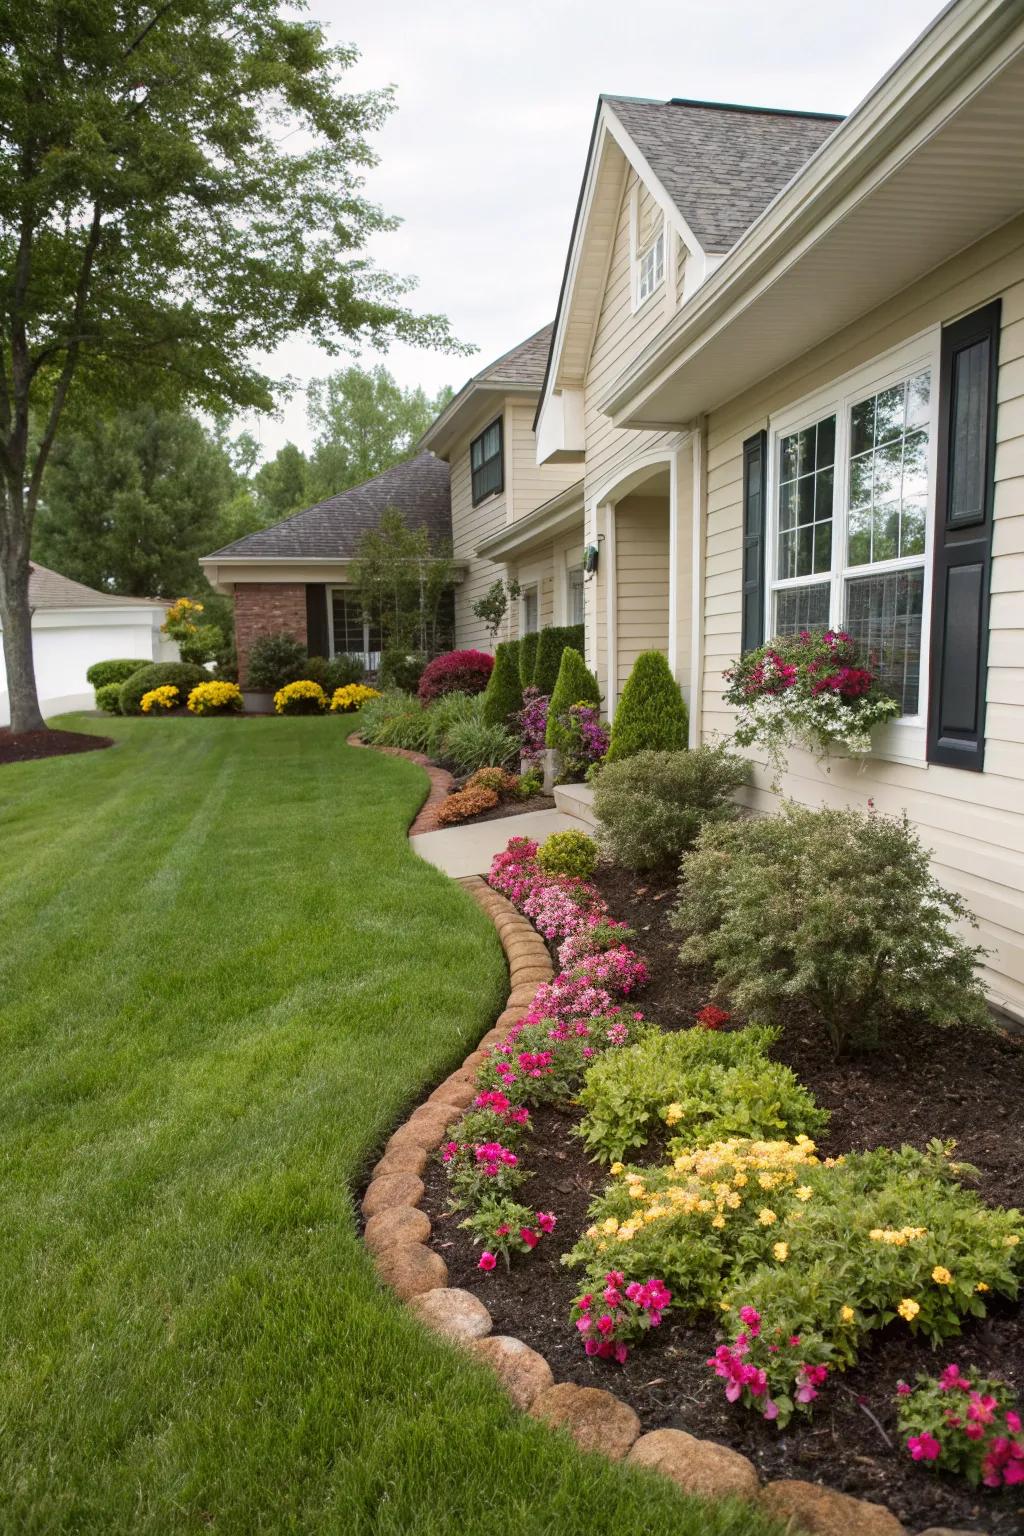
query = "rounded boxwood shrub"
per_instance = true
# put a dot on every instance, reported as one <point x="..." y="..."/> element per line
<point x="503" y="696"/>
<point x="651" y="807"/>
<point x="276" y="660"/>
<point x="528" y="657"/>
<point x="568" y="853"/>
<point x="102" y="673"/>
<point x="550" y="645"/>
<point x="183" y="675"/>
<point x="576" y="684"/>
<point x="399" y="669"/>
<point x="455" y="672"/>
<point x="108" y="698"/>
<point x="651" y="716"/>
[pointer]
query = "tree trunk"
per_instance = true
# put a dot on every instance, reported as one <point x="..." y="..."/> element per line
<point x="16" y="623"/>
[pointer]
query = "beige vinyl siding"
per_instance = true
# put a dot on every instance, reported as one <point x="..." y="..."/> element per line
<point x="641" y="579"/>
<point x="470" y="525"/>
<point x="531" y="484"/>
<point x="974" y="823"/>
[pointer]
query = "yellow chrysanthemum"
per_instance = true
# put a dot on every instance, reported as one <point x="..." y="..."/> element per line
<point x="781" y="1252"/>
<point x="981" y="1286"/>
<point x="617" y="1168"/>
<point x="673" y="1114"/>
<point x="908" y="1308"/>
<point x="941" y="1275"/>
<point x="718" y="1221"/>
<point x="804" y="1192"/>
<point x="766" y="1216"/>
<point x="846" y="1314"/>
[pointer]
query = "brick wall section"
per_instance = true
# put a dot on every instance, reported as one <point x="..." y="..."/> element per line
<point x="267" y="608"/>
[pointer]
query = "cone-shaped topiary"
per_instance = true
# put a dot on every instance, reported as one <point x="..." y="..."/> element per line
<point x="651" y="716"/>
<point x="503" y="695"/>
<point x="527" y="657"/>
<point x="550" y="646"/>
<point x="575" y="685"/>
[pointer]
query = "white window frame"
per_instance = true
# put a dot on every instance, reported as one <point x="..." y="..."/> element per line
<point x="366" y="653"/>
<point x="655" y="250"/>
<point x="529" y="589"/>
<point x="903" y="739"/>
<point x="574" y="563"/>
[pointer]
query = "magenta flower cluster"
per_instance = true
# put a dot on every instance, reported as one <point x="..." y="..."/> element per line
<point x="544" y="1223"/>
<point x="532" y="724"/>
<point x="965" y="1425"/>
<point x="752" y="1384"/>
<point x="622" y="1312"/>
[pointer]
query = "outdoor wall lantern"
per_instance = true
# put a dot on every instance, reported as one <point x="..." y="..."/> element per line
<point x="590" y="559"/>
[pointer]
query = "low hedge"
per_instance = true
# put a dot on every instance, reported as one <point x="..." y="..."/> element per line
<point x="102" y="673"/>
<point x="182" y="675"/>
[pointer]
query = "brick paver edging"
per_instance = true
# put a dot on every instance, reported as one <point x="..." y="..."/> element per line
<point x="441" y="782"/>
<point x="397" y="1232"/>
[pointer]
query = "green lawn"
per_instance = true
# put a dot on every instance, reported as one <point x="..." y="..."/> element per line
<point x="223" y="978"/>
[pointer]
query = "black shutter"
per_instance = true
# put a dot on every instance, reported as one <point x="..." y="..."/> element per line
<point x="964" y="493"/>
<point x="755" y="470"/>
<point x="317" y="641"/>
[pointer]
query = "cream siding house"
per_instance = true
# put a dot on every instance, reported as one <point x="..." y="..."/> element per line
<point x="843" y="396"/>
<point x="511" y="515"/>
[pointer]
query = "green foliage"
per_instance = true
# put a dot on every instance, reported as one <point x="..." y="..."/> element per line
<point x="395" y="720"/>
<point x="503" y="696"/>
<point x="400" y="669"/>
<point x="700" y="1085"/>
<point x="471" y="744"/>
<point x="575" y="684"/>
<point x="182" y="675"/>
<point x="404" y="581"/>
<point x="277" y="659"/>
<point x="449" y="710"/>
<point x="651" y="716"/>
<point x="117" y="671"/>
<point x="493" y="606"/>
<point x="650" y="807"/>
<point x="550" y="644"/>
<point x="836" y="910"/>
<point x="108" y="698"/>
<point x="568" y="853"/>
<point x="342" y="670"/>
<point x="528" y="657"/>
<point x="363" y="422"/>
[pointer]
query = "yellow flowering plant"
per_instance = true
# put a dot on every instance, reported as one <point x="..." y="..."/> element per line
<point x="164" y="697"/>
<point x="351" y="697"/>
<point x="300" y="698"/>
<point x="215" y="698"/>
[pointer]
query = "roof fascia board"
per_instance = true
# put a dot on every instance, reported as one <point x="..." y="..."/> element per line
<point x="644" y="170"/>
<point x="968" y="43"/>
<point x="450" y="425"/>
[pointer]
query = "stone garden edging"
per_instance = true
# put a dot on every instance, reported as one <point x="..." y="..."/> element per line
<point x="397" y="1232"/>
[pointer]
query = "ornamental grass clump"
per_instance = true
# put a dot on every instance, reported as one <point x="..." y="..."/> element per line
<point x="451" y="710"/>
<point x="698" y="1087"/>
<point x="215" y="698"/>
<point x="395" y="720"/>
<point x="961" y="1422"/>
<point x="652" y="715"/>
<point x="814" y="689"/>
<point x="300" y="698"/>
<point x="651" y="806"/>
<point x="472" y="744"/>
<point x="833" y="910"/>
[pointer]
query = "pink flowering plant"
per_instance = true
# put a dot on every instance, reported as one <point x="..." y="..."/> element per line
<point x="773" y="1371"/>
<point x="504" y="1228"/>
<point x="959" y="1422"/>
<point x="611" y="1317"/>
<point x="814" y="689"/>
<point x="531" y="722"/>
<point x="583" y="740"/>
<point x="596" y="933"/>
<point x="476" y="1169"/>
<point x="559" y="904"/>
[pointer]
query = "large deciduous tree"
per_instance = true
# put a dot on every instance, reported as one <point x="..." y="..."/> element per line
<point x="180" y="188"/>
<point x="363" y="422"/>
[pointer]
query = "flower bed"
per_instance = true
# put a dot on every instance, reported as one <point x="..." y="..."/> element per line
<point x="852" y="1443"/>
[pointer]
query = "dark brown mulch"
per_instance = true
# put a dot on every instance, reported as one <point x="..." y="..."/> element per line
<point x="919" y="1084"/>
<point x="512" y="808"/>
<point x="29" y="746"/>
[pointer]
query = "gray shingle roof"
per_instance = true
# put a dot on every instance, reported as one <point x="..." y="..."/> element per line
<point x="721" y="165"/>
<point x="331" y="530"/>
<point x="524" y="364"/>
<point x="49" y="591"/>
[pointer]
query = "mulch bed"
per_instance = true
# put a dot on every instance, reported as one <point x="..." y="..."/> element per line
<point x="29" y="746"/>
<point x="512" y="808"/>
<point x="924" y="1083"/>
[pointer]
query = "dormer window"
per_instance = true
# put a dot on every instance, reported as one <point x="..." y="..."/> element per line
<point x="650" y="268"/>
<point x="486" y="463"/>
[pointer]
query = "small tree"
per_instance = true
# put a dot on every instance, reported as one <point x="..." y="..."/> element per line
<point x="550" y="644"/>
<point x="576" y="684"/>
<point x="403" y="582"/>
<point x="493" y="606"/>
<point x="652" y="713"/>
<point x="503" y="697"/>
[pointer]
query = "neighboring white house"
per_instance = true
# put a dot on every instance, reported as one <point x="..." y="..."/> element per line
<point x="73" y="626"/>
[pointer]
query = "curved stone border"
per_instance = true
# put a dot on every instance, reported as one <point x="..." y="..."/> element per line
<point x="397" y="1232"/>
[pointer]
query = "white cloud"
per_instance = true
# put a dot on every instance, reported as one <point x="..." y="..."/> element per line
<point x="484" y="156"/>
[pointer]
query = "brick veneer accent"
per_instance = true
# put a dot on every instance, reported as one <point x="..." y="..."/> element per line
<point x="267" y="608"/>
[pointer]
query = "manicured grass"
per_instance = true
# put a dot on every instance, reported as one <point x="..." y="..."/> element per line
<point x="223" y="977"/>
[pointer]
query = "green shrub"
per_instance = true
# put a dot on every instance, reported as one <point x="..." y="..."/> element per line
<point x="204" y="642"/>
<point x="102" y="673"/>
<point x="503" y="696"/>
<point x="651" y="807"/>
<point x="833" y="909"/>
<point x="182" y="675"/>
<point x="528" y="657"/>
<point x="451" y="709"/>
<point x="472" y="744"/>
<point x="651" y="716"/>
<point x="550" y="645"/>
<point x="568" y="853"/>
<point x="108" y="698"/>
<point x="340" y="671"/>
<point x="499" y="779"/>
<point x="395" y="720"/>
<point x="399" y="669"/>
<point x="699" y="1085"/>
<point x="276" y="660"/>
<point x="575" y="684"/>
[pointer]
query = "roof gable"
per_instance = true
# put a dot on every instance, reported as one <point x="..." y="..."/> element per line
<point x="332" y="529"/>
<point x="49" y="591"/>
<point x="518" y="371"/>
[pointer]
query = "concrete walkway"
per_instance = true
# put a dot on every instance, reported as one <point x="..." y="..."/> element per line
<point x="461" y="851"/>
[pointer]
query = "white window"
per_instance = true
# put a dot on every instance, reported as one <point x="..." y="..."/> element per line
<point x="650" y="268"/>
<point x="853" y="485"/>
<point x="529" y="611"/>
<point x="575" y="606"/>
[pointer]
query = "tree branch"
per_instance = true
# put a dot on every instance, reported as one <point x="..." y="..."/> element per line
<point x="147" y="29"/>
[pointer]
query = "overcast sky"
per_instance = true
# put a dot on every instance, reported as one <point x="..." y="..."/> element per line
<point x="483" y="158"/>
